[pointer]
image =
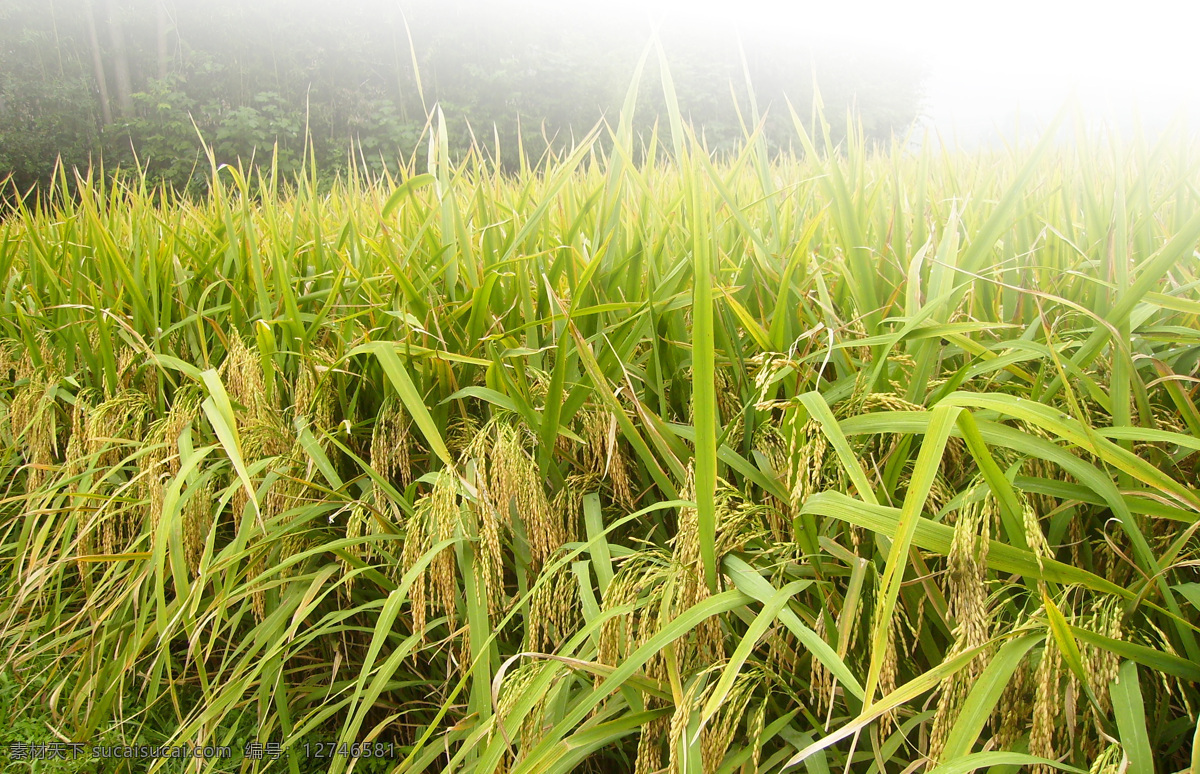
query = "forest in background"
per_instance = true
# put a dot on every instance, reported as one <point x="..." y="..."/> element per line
<point x="141" y="83"/>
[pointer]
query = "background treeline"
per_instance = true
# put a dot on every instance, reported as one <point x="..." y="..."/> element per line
<point x="350" y="85"/>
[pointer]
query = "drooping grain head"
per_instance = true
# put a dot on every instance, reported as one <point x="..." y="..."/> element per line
<point x="516" y="689"/>
<point x="723" y="728"/>
<point x="199" y="516"/>
<point x="819" y="677"/>
<point x="677" y="734"/>
<point x="111" y="429"/>
<point x="602" y="453"/>
<point x="967" y="598"/>
<point x="513" y="486"/>
<point x="650" y="752"/>
<point x="162" y="462"/>
<point x="1101" y="663"/>
<point x="1047" y="706"/>
<point x="807" y="453"/>
<point x="244" y="380"/>
<point x="1035" y="537"/>
<point x="769" y="442"/>
<point x="1110" y="761"/>
<point x="418" y="541"/>
<point x="31" y="419"/>
<point x="390" y="442"/>
<point x="314" y="393"/>
<point x="553" y="610"/>
<point x="442" y="518"/>
<point x="1015" y="708"/>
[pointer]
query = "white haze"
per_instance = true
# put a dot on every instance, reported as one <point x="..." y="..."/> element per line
<point x="988" y="63"/>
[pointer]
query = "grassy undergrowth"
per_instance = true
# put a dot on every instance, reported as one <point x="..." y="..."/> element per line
<point x="863" y="459"/>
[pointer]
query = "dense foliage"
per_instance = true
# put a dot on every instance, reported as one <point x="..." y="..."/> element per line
<point x="869" y="459"/>
<point x="140" y="82"/>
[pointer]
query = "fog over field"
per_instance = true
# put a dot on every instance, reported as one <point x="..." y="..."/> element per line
<point x="987" y="64"/>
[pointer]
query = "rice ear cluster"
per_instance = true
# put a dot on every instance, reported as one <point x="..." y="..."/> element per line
<point x="729" y="402"/>
<point x="1110" y="761"/>
<point x="720" y="731"/>
<point x="163" y="461"/>
<point x="767" y="368"/>
<point x="245" y="384"/>
<point x="808" y="453"/>
<point x="729" y="406"/>
<point x="966" y="579"/>
<point x="819" y="676"/>
<point x="868" y="402"/>
<point x="513" y="478"/>
<point x="677" y="736"/>
<point x="369" y="516"/>
<point x="553" y="609"/>
<point x="264" y="435"/>
<point x="131" y="377"/>
<point x="198" y="519"/>
<point x="1038" y="467"/>
<point x="258" y="596"/>
<point x="285" y="497"/>
<point x="649" y="759"/>
<point x="437" y="517"/>
<point x="967" y="598"/>
<point x="1047" y="706"/>
<point x="618" y="633"/>
<point x="1101" y="665"/>
<point x="359" y="521"/>
<point x="462" y="434"/>
<point x="737" y="523"/>
<point x="717" y="735"/>
<point x="1010" y="721"/>
<point x="313" y="396"/>
<point x="1035" y="538"/>
<point x="509" y="481"/>
<point x="287" y="490"/>
<point x="30" y="417"/>
<point x="77" y="445"/>
<point x="688" y="586"/>
<point x="532" y="726"/>
<point x="417" y="543"/>
<point x="875" y="449"/>
<point x="769" y="442"/>
<point x="634" y="604"/>
<point x="244" y="379"/>
<point x="390" y="441"/>
<point x="890" y="665"/>
<point x="445" y="515"/>
<point x="1162" y="688"/>
<point x="758" y="724"/>
<point x="602" y="455"/>
<point x="12" y="360"/>
<point x="118" y="420"/>
<point x="76" y="452"/>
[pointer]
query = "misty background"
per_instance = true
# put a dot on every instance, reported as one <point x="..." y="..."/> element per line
<point x="349" y="85"/>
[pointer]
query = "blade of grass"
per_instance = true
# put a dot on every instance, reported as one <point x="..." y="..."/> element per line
<point x="1130" y="714"/>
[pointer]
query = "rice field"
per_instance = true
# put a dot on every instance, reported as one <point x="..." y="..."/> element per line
<point x="858" y="459"/>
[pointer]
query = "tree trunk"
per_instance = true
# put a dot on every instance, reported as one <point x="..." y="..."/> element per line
<point x="120" y="58"/>
<point x="161" y="9"/>
<point x="57" y="41"/>
<point x="98" y="63"/>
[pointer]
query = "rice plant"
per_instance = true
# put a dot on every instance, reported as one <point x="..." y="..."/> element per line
<point x="861" y="458"/>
